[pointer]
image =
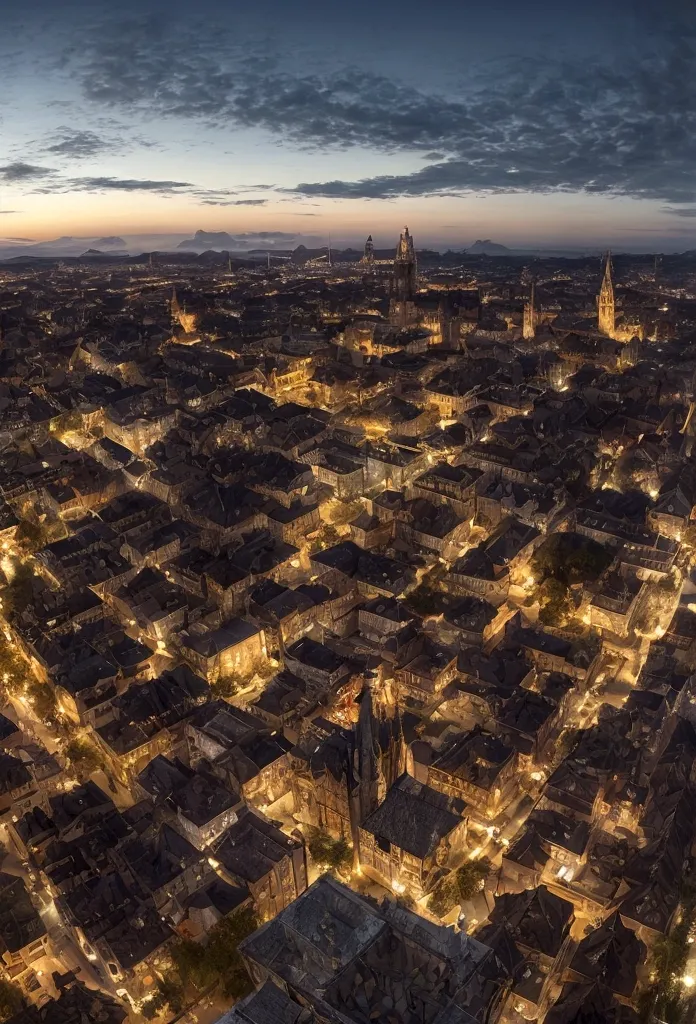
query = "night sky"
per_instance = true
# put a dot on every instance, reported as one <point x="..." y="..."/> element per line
<point x="531" y="123"/>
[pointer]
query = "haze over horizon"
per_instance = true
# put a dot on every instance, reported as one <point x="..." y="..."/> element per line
<point x="536" y="126"/>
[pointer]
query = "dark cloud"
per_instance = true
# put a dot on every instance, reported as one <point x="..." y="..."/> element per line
<point x="106" y="184"/>
<point x="624" y="126"/>
<point x="126" y="185"/>
<point x="77" y="144"/>
<point x="266" y="235"/>
<point x="23" y="172"/>
<point x="685" y="211"/>
<point x="234" y="202"/>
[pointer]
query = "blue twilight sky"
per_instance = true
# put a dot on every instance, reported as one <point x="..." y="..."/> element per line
<point x="526" y="122"/>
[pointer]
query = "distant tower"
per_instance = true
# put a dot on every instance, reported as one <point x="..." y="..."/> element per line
<point x="369" y="253"/>
<point x="174" y="307"/>
<point x="404" y="282"/>
<point x="529" y="317"/>
<point x="606" y="310"/>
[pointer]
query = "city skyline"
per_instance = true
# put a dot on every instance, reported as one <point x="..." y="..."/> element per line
<point x="546" y="127"/>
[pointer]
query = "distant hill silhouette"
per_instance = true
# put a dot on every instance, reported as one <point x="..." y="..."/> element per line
<point x="208" y="240"/>
<point x="485" y="247"/>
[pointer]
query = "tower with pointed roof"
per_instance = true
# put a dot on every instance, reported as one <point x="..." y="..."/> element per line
<point x="379" y="752"/>
<point x="404" y="282"/>
<point x="606" y="309"/>
<point x="369" y="252"/>
<point x="529" y="314"/>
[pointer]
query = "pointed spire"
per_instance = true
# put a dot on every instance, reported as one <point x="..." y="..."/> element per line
<point x="367" y="737"/>
<point x="606" y="310"/>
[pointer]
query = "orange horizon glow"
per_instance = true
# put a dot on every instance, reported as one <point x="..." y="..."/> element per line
<point x="508" y="219"/>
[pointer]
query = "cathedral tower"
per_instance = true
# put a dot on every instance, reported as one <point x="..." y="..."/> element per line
<point x="606" y="310"/>
<point x="379" y="752"/>
<point x="529" y="316"/>
<point x="404" y="282"/>
<point x="369" y="253"/>
<point x="405" y="279"/>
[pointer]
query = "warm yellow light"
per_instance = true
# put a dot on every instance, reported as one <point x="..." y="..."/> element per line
<point x="688" y="981"/>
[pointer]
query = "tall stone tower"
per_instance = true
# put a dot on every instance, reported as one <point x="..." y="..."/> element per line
<point x="529" y="317"/>
<point x="379" y="756"/>
<point x="404" y="282"/>
<point x="606" y="310"/>
<point x="369" y="253"/>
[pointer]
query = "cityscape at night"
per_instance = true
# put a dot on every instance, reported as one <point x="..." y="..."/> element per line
<point x="348" y="568"/>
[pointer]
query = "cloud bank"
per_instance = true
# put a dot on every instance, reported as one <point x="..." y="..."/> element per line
<point x="624" y="127"/>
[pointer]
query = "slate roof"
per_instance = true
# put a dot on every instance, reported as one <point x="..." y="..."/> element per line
<point x="414" y="817"/>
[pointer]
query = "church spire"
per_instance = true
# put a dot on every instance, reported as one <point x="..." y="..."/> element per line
<point x="529" y="314"/>
<point x="606" y="310"/>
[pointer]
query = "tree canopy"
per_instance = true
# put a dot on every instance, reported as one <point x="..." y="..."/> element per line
<point x="214" y="964"/>
<point x="461" y="884"/>
<point x="11" y="1000"/>
<point x="335" y="854"/>
<point x="570" y="558"/>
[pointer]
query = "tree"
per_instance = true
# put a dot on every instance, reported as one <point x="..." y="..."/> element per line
<point x="556" y="603"/>
<point x="14" y="670"/>
<point x="225" y="687"/>
<point x="570" y="558"/>
<point x="170" y="993"/>
<point x="223" y="954"/>
<point x="191" y="965"/>
<point x="328" y="536"/>
<point x="335" y="854"/>
<point x="19" y="590"/>
<point x="458" y="886"/>
<point x="42" y="698"/>
<point x="11" y="1000"/>
<point x="471" y="876"/>
<point x="217" y="963"/>
<point x="30" y="536"/>
<point x="444" y="897"/>
<point x="426" y="601"/>
<point x="83" y="756"/>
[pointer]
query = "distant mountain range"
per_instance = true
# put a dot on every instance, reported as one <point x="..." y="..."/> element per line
<point x="249" y="246"/>
<point x="109" y="242"/>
